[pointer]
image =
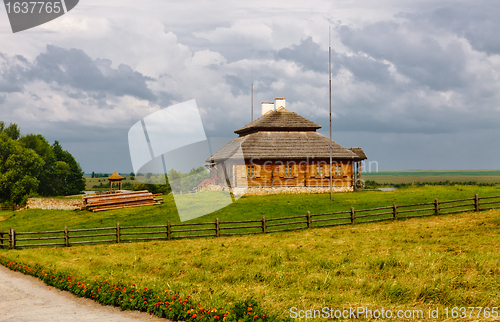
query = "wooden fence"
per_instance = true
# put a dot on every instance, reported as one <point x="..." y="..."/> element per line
<point x="119" y="234"/>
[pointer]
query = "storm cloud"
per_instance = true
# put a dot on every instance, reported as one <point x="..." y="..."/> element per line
<point x="405" y="76"/>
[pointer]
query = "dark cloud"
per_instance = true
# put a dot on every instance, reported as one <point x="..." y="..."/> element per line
<point x="366" y="69"/>
<point x="418" y="56"/>
<point x="307" y="54"/>
<point x="478" y="22"/>
<point x="74" y="68"/>
<point x="238" y="86"/>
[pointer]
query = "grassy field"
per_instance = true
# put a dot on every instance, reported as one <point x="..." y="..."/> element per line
<point x="479" y="176"/>
<point x="443" y="261"/>
<point x="90" y="182"/>
<point x="246" y="208"/>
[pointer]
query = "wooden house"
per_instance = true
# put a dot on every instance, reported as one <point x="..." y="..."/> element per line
<point x="282" y="149"/>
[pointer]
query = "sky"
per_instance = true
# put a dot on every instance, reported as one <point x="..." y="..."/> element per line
<point x="415" y="84"/>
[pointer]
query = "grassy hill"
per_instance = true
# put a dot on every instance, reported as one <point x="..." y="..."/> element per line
<point x="415" y="264"/>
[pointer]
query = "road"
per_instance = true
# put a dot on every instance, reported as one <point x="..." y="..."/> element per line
<point x="27" y="299"/>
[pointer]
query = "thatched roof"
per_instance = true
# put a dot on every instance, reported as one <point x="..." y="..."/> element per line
<point x="272" y="145"/>
<point x="115" y="176"/>
<point x="279" y="120"/>
<point x="281" y="135"/>
<point x="359" y="152"/>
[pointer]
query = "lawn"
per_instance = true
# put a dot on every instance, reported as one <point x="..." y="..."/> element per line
<point x="246" y="208"/>
<point x="415" y="264"/>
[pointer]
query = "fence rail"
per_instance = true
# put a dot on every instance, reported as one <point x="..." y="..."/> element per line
<point x="68" y="237"/>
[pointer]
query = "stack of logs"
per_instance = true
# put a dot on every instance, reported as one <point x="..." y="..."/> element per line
<point x="121" y="200"/>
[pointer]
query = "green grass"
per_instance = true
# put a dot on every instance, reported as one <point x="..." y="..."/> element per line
<point x="246" y="208"/>
<point x="479" y="176"/>
<point x="441" y="261"/>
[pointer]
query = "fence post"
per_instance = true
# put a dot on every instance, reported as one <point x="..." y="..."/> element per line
<point x="117" y="232"/>
<point x="66" y="237"/>
<point x="476" y="202"/>
<point x="264" y="228"/>
<point x="394" y="210"/>
<point x="436" y="207"/>
<point x="308" y="219"/>
<point x="13" y="236"/>
<point x="352" y="215"/>
<point x="1" y="238"/>
<point x="10" y="238"/>
<point x="169" y="233"/>
<point x="217" y="227"/>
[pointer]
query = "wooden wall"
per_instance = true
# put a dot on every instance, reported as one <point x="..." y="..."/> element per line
<point x="273" y="173"/>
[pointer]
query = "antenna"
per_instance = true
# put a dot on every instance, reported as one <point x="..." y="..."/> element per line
<point x="330" y="101"/>
<point x="252" y="95"/>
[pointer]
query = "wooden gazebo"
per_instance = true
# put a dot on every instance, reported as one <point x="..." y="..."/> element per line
<point x="115" y="177"/>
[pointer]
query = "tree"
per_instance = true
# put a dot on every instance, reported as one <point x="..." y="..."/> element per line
<point x="68" y="173"/>
<point x="30" y="165"/>
<point x="19" y="169"/>
<point x="93" y="174"/>
<point x="12" y="130"/>
<point x="41" y="146"/>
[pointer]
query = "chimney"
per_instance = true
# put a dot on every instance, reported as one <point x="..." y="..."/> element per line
<point x="279" y="102"/>
<point x="267" y="106"/>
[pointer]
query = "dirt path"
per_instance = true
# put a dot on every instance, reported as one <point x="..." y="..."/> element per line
<point x="27" y="299"/>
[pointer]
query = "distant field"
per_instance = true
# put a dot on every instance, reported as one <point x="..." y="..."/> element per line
<point x="479" y="176"/>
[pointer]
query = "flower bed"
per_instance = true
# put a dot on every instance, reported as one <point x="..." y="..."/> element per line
<point x="165" y="304"/>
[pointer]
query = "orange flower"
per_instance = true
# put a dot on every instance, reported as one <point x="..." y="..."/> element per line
<point x="194" y="315"/>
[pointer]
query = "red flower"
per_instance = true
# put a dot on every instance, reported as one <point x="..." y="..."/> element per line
<point x="194" y="315"/>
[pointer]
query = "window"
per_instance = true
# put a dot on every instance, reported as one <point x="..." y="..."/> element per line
<point x="337" y="170"/>
<point x="288" y="171"/>
<point x="319" y="170"/>
<point x="250" y="171"/>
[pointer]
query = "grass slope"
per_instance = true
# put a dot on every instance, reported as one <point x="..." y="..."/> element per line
<point x="246" y="208"/>
<point x="441" y="261"/>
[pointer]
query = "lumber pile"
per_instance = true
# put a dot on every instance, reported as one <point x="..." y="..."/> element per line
<point x="120" y="200"/>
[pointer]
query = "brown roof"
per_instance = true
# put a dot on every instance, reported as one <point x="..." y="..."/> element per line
<point x="279" y="120"/>
<point x="359" y="152"/>
<point x="272" y="145"/>
<point x="115" y="176"/>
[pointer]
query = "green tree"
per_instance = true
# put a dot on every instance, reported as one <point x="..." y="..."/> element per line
<point x="19" y="169"/>
<point x="68" y="173"/>
<point x="12" y="130"/>
<point x="41" y="146"/>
